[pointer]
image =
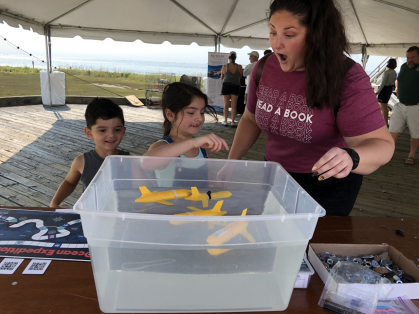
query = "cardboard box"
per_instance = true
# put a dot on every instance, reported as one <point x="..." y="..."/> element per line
<point x="409" y="290"/>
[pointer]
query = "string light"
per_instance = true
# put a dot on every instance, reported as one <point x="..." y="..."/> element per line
<point x="17" y="47"/>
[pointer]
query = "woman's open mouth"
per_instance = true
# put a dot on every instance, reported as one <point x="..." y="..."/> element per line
<point x="282" y="57"/>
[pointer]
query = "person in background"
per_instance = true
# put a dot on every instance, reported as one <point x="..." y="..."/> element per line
<point x="406" y="112"/>
<point x="231" y="74"/>
<point x="327" y="136"/>
<point x="105" y="125"/>
<point x="185" y="79"/>
<point x="253" y="58"/>
<point x="267" y="51"/>
<point x="386" y="87"/>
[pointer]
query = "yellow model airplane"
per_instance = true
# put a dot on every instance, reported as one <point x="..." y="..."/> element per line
<point x="204" y="197"/>
<point x="160" y="197"/>
<point x="216" y="211"/>
<point x="229" y="232"/>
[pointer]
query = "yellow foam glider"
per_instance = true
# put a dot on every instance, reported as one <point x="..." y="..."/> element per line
<point x="229" y="232"/>
<point x="204" y="197"/>
<point x="160" y="197"/>
<point x="216" y="211"/>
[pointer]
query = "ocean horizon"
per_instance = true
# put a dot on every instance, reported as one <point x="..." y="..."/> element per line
<point x="132" y="66"/>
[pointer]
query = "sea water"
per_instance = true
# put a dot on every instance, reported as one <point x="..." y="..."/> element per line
<point x="111" y="65"/>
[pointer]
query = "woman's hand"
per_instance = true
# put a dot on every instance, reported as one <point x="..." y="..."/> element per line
<point x="210" y="141"/>
<point x="335" y="163"/>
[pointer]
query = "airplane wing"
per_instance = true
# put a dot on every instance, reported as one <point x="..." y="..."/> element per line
<point x="248" y="236"/>
<point x="194" y="191"/>
<point x="164" y="203"/>
<point x="194" y="208"/>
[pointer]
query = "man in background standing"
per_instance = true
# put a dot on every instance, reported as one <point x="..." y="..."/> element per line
<point x="253" y="57"/>
<point x="406" y="112"/>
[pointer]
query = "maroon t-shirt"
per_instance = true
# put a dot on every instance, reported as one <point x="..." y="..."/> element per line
<point x="297" y="136"/>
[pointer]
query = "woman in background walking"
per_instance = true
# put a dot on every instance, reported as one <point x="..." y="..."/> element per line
<point x="387" y="87"/>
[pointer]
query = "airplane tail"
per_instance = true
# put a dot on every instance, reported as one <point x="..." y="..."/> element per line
<point x="144" y="190"/>
<point x="194" y="191"/>
<point x="244" y="212"/>
<point x="217" y="207"/>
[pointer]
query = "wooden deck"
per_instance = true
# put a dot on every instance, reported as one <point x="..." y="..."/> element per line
<point x="39" y="144"/>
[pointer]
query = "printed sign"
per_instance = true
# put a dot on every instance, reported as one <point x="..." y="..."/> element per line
<point x="216" y="60"/>
<point x="42" y="234"/>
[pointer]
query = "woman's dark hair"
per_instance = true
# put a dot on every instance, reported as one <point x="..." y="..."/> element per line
<point x="176" y="97"/>
<point x="102" y="108"/>
<point x="392" y="64"/>
<point x="233" y="57"/>
<point x="326" y="42"/>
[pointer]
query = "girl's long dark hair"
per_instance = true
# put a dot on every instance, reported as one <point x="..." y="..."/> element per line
<point x="326" y="42"/>
<point x="176" y="97"/>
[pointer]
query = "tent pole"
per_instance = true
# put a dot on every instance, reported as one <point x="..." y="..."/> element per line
<point x="48" y="53"/>
<point x="49" y="46"/>
<point x="365" y="56"/>
<point x="219" y="43"/>
<point x="215" y="40"/>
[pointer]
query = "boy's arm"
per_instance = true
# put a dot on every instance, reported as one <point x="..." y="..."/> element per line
<point x="70" y="182"/>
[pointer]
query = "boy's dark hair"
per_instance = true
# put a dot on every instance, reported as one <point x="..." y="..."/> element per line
<point x="177" y="96"/>
<point x="102" y="108"/>
<point x="392" y="64"/>
<point x="267" y="51"/>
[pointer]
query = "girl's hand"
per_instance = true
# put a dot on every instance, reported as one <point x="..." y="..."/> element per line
<point x="335" y="163"/>
<point x="210" y="141"/>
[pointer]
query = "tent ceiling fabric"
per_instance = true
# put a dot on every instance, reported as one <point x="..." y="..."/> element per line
<point x="388" y="27"/>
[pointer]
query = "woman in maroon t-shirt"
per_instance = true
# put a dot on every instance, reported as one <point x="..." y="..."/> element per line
<point x="323" y="122"/>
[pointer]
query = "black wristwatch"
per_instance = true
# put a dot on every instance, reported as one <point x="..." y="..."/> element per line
<point x="354" y="156"/>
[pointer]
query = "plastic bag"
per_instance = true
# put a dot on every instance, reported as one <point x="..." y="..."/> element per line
<point x="352" y="288"/>
<point x="401" y="305"/>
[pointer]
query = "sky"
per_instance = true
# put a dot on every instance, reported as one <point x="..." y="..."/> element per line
<point x="78" y="47"/>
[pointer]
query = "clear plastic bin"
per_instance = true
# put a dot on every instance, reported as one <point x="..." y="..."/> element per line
<point x="147" y="259"/>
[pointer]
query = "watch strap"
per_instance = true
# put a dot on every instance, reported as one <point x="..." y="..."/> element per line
<point x="354" y="156"/>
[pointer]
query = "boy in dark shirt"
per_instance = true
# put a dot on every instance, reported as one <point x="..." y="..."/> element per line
<point x="106" y="127"/>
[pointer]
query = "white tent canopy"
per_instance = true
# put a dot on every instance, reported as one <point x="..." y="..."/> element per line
<point x="375" y="27"/>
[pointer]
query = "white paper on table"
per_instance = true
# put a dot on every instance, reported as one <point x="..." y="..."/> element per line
<point x="9" y="265"/>
<point x="37" y="267"/>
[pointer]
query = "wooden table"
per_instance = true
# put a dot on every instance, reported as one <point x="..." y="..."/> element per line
<point x="68" y="287"/>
